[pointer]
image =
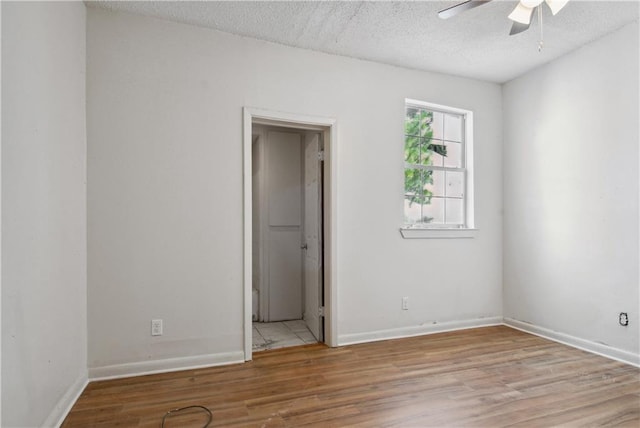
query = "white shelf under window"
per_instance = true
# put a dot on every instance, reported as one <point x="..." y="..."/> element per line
<point x="437" y="233"/>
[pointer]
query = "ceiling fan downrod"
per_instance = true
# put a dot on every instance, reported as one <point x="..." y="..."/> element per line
<point x="541" y="42"/>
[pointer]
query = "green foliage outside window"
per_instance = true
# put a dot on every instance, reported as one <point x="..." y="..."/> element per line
<point x="418" y="151"/>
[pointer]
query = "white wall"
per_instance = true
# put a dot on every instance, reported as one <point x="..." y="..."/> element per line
<point x="165" y="189"/>
<point x="44" y="347"/>
<point x="571" y="193"/>
<point x="0" y="227"/>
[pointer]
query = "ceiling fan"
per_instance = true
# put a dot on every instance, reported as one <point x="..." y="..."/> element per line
<point x="521" y="15"/>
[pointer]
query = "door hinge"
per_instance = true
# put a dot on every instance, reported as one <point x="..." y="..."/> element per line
<point x="321" y="156"/>
<point x="321" y="311"/>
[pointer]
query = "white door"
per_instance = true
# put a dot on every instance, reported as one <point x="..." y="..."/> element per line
<point x="284" y="222"/>
<point x="312" y="229"/>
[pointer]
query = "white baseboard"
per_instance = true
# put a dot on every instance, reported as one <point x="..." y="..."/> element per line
<point x="419" y="330"/>
<point x="164" y="366"/>
<point x="576" y="342"/>
<point x="64" y="405"/>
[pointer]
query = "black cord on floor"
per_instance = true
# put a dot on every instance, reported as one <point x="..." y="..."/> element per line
<point x="185" y="408"/>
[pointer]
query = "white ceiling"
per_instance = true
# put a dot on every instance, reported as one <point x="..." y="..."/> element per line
<point x="473" y="44"/>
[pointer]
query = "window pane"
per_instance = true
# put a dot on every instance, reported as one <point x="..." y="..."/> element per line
<point x="433" y="212"/>
<point x="418" y="122"/>
<point x="452" y="127"/>
<point x="436" y="151"/>
<point x="431" y="158"/>
<point x="454" y="155"/>
<point x="412" y="211"/>
<point x="411" y="111"/>
<point x="434" y="183"/>
<point x="454" y="211"/>
<point x="438" y="125"/>
<point x="426" y="119"/>
<point x="412" y="122"/>
<point x="412" y="149"/>
<point x="455" y="184"/>
<point x="413" y="182"/>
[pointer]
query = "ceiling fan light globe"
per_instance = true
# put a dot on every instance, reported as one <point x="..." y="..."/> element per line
<point x="521" y="14"/>
<point x="556" y="5"/>
<point x="531" y="3"/>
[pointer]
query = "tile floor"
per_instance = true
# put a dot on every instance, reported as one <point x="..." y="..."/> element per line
<point x="273" y="335"/>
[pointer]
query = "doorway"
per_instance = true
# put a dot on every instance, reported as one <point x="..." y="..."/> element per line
<point x="289" y="223"/>
<point x="287" y="218"/>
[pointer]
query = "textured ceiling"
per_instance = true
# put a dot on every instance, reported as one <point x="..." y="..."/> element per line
<point x="473" y="44"/>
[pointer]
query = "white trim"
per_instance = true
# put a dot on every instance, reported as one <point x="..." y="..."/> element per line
<point x="469" y="200"/>
<point x="1" y="121"/>
<point x="292" y="120"/>
<point x="66" y="402"/>
<point x="418" y="330"/>
<point x="575" y="342"/>
<point x="168" y="365"/>
<point x="437" y="107"/>
<point x="328" y="125"/>
<point x="247" y="140"/>
<point x="331" y="234"/>
<point x="435" y="233"/>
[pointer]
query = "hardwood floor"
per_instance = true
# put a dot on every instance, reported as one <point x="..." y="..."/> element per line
<point x="489" y="377"/>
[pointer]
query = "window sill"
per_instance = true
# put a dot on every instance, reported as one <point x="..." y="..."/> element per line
<point x="424" y="233"/>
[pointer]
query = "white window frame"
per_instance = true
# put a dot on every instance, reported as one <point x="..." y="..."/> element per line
<point x="425" y="230"/>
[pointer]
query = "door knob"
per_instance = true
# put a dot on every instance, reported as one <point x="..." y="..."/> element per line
<point x="304" y="247"/>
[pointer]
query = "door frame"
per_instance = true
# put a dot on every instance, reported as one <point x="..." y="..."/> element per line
<point x="329" y="128"/>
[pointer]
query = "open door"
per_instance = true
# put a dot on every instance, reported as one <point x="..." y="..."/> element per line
<point x="312" y="235"/>
<point x="283" y="221"/>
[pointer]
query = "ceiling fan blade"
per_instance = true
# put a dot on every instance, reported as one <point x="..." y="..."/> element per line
<point x="518" y="28"/>
<point x="460" y="7"/>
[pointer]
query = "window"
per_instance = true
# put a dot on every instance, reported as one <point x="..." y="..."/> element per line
<point x="437" y="156"/>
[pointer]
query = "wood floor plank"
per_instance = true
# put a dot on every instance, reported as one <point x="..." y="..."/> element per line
<point x="493" y="376"/>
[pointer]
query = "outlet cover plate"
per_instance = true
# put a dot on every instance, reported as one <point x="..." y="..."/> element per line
<point x="156" y="327"/>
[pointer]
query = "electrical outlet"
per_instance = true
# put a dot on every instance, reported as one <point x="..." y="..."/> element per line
<point x="405" y="303"/>
<point x="156" y="327"/>
<point x="623" y="319"/>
